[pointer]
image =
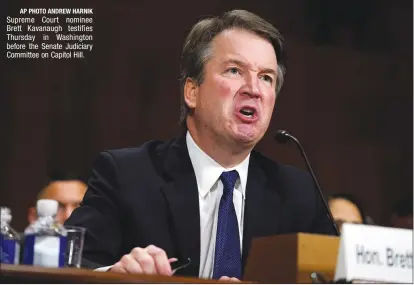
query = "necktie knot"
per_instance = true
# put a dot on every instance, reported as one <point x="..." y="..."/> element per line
<point x="229" y="178"/>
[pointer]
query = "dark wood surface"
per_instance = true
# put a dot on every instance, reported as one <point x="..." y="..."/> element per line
<point x="291" y="258"/>
<point x="33" y="274"/>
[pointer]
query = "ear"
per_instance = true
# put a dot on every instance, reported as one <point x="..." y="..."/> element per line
<point x="190" y="92"/>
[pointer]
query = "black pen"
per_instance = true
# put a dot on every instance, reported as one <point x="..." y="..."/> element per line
<point x="178" y="265"/>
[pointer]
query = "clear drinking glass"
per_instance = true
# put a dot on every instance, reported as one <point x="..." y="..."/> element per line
<point x="74" y="247"/>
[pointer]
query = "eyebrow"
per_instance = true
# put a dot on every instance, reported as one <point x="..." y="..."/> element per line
<point x="243" y="64"/>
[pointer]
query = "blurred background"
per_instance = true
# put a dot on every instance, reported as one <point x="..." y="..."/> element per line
<point x="347" y="96"/>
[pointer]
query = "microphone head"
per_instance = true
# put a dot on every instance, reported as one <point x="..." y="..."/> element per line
<point x="282" y="136"/>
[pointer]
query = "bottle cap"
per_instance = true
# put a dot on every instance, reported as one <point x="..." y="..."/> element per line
<point x="5" y="214"/>
<point x="46" y="207"/>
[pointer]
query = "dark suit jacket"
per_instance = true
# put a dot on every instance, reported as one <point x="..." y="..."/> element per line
<point x="148" y="195"/>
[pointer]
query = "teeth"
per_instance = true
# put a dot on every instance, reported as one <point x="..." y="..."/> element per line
<point x="247" y="112"/>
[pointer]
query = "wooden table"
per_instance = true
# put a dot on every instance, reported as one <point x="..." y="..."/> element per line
<point x="33" y="274"/>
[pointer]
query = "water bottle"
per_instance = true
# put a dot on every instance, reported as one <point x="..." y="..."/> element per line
<point x="10" y="240"/>
<point x="45" y="239"/>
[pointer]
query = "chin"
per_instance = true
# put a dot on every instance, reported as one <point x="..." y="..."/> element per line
<point x="247" y="136"/>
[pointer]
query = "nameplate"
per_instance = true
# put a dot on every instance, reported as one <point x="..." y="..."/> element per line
<point x="377" y="254"/>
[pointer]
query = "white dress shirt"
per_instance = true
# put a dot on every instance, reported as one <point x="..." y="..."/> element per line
<point x="210" y="190"/>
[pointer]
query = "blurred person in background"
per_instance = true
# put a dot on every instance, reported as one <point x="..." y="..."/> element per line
<point x="402" y="213"/>
<point x="67" y="189"/>
<point x="345" y="209"/>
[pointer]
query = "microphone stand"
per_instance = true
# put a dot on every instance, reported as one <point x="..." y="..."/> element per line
<point x="282" y="137"/>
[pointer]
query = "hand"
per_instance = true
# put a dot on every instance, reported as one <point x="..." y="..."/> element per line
<point x="230" y="279"/>
<point x="149" y="260"/>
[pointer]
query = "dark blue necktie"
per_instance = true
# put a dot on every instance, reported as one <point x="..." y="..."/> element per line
<point x="227" y="259"/>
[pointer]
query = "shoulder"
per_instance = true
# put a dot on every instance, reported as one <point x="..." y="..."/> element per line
<point x="133" y="153"/>
<point x="147" y="150"/>
<point x="143" y="157"/>
<point x="271" y="167"/>
<point x="289" y="179"/>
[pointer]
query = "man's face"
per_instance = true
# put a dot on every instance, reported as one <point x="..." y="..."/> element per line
<point x="236" y="98"/>
<point x="343" y="211"/>
<point x="68" y="194"/>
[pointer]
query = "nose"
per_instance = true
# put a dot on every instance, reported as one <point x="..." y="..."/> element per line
<point x="251" y="87"/>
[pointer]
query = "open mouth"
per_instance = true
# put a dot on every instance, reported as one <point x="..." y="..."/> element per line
<point x="247" y="112"/>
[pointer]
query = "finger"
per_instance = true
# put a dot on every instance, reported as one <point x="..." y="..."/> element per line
<point x="234" y="279"/>
<point x="172" y="259"/>
<point x="118" y="268"/>
<point x="130" y="265"/>
<point x="224" y="278"/>
<point x="145" y="260"/>
<point x="162" y="263"/>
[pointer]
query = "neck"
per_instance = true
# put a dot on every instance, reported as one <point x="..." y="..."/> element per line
<point x="227" y="155"/>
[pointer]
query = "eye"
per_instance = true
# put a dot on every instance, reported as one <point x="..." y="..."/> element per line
<point x="233" y="70"/>
<point x="267" y="78"/>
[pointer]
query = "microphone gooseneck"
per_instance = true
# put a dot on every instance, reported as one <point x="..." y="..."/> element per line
<point x="283" y="137"/>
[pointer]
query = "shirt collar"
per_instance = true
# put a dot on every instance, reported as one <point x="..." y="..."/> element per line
<point x="208" y="171"/>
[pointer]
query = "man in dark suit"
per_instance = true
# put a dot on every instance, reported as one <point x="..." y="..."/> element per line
<point x="206" y="194"/>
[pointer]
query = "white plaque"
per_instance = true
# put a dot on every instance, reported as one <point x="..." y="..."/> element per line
<point x="377" y="254"/>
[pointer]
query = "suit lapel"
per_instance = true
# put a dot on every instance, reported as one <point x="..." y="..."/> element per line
<point x="262" y="206"/>
<point x="182" y="197"/>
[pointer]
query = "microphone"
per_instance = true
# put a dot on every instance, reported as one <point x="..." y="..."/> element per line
<point x="283" y="137"/>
